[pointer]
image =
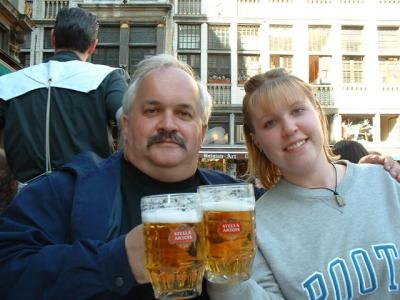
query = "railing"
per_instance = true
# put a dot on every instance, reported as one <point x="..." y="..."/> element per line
<point x="220" y="93"/>
<point x="280" y="1"/>
<point x="389" y="1"/>
<point x="324" y="94"/>
<point x="390" y="88"/>
<point x="319" y="1"/>
<point x="351" y="1"/>
<point x="189" y="7"/>
<point x="354" y="87"/>
<point x="51" y="7"/>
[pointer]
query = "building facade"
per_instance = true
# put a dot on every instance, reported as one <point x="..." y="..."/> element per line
<point x="15" y="24"/>
<point x="351" y="58"/>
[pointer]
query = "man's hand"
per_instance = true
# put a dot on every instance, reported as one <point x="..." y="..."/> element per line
<point x="134" y="244"/>
<point x="387" y="161"/>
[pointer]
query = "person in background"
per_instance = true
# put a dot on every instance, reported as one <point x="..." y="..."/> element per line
<point x="350" y="150"/>
<point x="325" y="229"/>
<point x="57" y="109"/>
<point x="8" y="185"/>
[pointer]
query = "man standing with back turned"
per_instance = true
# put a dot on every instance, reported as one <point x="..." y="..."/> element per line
<point x="52" y="111"/>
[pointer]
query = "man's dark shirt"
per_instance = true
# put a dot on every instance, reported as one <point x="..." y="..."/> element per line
<point x="135" y="185"/>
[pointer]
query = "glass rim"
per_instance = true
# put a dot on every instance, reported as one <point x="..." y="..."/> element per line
<point x="168" y="195"/>
<point x="171" y="200"/>
<point x="213" y="186"/>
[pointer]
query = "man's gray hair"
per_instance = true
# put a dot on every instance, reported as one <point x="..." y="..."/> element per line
<point x="158" y="62"/>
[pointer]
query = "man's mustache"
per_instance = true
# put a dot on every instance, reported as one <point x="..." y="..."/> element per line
<point x="166" y="135"/>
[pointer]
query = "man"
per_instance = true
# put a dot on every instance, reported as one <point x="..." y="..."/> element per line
<point x="76" y="233"/>
<point x="54" y="110"/>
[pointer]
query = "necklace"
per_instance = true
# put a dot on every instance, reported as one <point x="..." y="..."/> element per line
<point x="339" y="200"/>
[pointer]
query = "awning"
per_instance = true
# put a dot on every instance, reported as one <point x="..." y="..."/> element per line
<point x="227" y="152"/>
<point x="4" y="69"/>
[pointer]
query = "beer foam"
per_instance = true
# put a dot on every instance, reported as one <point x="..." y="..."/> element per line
<point x="171" y="216"/>
<point x="245" y="205"/>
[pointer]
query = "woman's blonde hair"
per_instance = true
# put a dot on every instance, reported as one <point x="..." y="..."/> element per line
<point x="268" y="89"/>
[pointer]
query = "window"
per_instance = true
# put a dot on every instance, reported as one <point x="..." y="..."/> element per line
<point x="24" y="58"/>
<point x="27" y="42"/>
<point x="189" y="40"/>
<point x="47" y="39"/>
<point x="248" y="37"/>
<point x="108" y="35"/>
<point x="388" y="39"/>
<point x="3" y="39"/>
<point x="389" y="70"/>
<point x="280" y="38"/>
<point x="106" y="56"/>
<point x="357" y="128"/>
<point x="24" y="54"/>
<point x="239" y="134"/>
<point x="352" y="38"/>
<point x="390" y="128"/>
<point x="353" y="67"/>
<point x="192" y="60"/>
<point x="142" y="44"/>
<point x="143" y="35"/>
<point x="248" y="66"/>
<point x="137" y="54"/>
<point x="189" y="36"/>
<point x="218" y="130"/>
<point x="318" y="38"/>
<point x="219" y="68"/>
<point x="48" y="50"/>
<point x="218" y="37"/>
<point x="189" y="7"/>
<point x="29" y="8"/>
<point x="320" y="69"/>
<point x="107" y="50"/>
<point x="281" y="61"/>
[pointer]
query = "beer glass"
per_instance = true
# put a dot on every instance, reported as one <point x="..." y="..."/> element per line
<point x="174" y="244"/>
<point x="229" y="225"/>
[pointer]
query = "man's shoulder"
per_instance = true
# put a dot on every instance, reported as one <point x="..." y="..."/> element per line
<point x="88" y="162"/>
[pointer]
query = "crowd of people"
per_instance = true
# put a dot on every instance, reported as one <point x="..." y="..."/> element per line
<point x="74" y="230"/>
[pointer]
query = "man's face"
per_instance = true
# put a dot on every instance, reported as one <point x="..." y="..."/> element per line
<point x="164" y="129"/>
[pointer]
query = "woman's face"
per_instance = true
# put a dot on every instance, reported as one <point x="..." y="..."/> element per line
<point x="290" y="134"/>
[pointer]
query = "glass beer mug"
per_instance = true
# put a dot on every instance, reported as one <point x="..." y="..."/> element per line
<point x="174" y="244"/>
<point x="229" y="224"/>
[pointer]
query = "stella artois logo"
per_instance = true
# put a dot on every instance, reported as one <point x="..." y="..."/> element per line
<point x="230" y="229"/>
<point x="183" y="236"/>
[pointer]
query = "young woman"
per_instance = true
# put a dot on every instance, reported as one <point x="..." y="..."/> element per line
<point x="324" y="230"/>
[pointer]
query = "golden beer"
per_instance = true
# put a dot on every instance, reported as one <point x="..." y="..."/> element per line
<point x="174" y="245"/>
<point x="230" y="241"/>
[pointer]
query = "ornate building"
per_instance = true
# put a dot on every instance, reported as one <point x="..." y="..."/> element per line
<point x="351" y="59"/>
<point x="15" y="24"/>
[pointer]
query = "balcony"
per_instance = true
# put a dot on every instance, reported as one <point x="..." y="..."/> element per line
<point x="324" y="93"/>
<point x="51" y="8"/>
<point x="220" y="93"/>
